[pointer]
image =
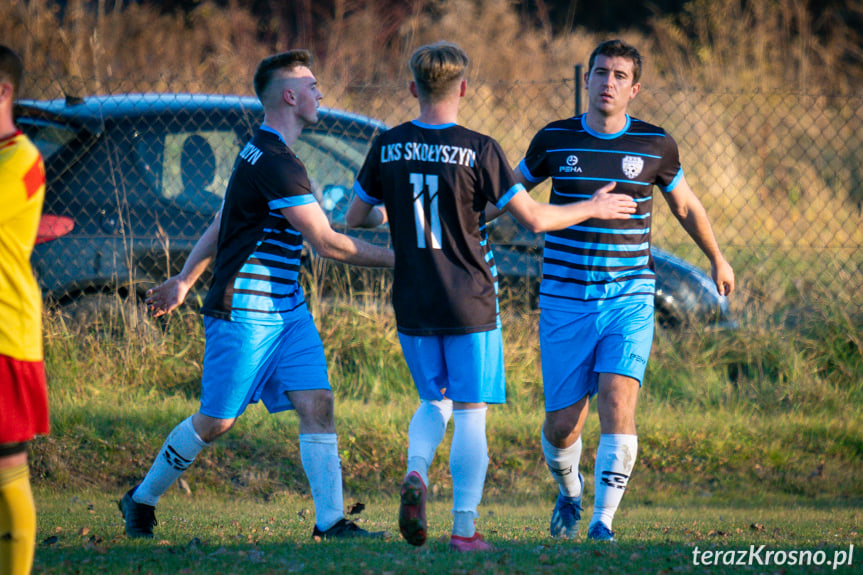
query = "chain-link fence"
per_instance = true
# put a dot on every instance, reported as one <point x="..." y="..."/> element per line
<point x="138" y="178"/>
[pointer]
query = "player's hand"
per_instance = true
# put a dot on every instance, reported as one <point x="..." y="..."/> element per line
<point x="723" y="275"/>
<point x="166" y="297"/>
<point x="608" y="206"/>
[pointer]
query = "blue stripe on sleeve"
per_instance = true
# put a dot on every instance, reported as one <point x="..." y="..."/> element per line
<point x="361" y="194"/>
<point x="670" y="187"/>
<point x="501" y="203"/>
<point x="291" y="201"/>
<point x="522" y="167"/>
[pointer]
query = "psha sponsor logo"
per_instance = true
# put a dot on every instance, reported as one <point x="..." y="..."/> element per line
<point x="571" y="165"/>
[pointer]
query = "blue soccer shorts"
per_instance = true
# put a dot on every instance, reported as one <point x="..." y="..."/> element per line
<point x="245" y="363"/>
<point x="467" y="368"/>
<point x="577" y="347"/>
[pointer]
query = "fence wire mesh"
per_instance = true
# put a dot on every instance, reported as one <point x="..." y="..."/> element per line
<point x="781" y="176"/>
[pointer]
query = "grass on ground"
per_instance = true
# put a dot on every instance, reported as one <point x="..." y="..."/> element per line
<point x="209" y="534"/>
<point x="747" y="437"/>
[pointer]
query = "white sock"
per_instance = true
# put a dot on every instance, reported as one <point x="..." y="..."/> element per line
<point x="468" y="462"/>
<point x="562" y="462"/>
<point x="615" y="457"/>
<point x="425" y="433"/>
<point x="177" y="454"/>
<point x="319" y="453"/>
<point x="464" y="523"/>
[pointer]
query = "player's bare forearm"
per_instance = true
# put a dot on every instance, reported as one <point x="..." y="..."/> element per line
<point x="310" y="220"/>
<point x="167" y="296"/>
<point x="375" y="217"/>
<point x="363" y="215"/>
<point x="697" y="225"/>
<point x="356" y="252"/>
<point x="690" y="212"/>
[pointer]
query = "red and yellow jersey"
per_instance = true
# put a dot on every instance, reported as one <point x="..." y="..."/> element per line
<point x="22" y="191"/>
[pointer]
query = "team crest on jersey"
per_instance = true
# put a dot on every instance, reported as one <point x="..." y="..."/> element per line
<point x="571" y="165"/>
<point x="632" y="166"/>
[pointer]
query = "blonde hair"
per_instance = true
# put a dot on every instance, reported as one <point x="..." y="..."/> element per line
<point x="437" y="69"/>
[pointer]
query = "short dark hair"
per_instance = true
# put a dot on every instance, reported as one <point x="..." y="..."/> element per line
<point x="437" y="68"/>
<point x="284" y="61"/>
<point x="613" y="48"/>
<point x="11" y="68"/>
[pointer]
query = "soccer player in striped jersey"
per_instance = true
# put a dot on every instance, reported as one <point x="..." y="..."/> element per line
<point x="597" y="289"/>
<point x="261" y="342"/>
<point x="437" y="180"/>
<point x="23" y="392"/>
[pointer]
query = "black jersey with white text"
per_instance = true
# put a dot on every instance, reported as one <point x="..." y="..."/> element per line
<point x="435" y="182"/>
<point x="258" y="257"/>
<point x="601" y="262"/>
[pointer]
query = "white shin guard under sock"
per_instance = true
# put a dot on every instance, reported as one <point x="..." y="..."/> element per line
<point x="615" y="458"/>
<point x="426" y="431"/>
<point x="176" y="455"/>
<point x="319" y="453"/>
<point x="468" y="462"/>
<point x="562" y="462"/>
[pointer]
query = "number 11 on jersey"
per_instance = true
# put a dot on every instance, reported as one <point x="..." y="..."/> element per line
<point x="426" y="186"/>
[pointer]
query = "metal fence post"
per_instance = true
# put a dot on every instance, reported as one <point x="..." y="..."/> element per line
<point x="579" y="74"/>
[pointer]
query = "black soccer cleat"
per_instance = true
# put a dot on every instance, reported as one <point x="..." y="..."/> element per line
<point x="412" y="509"/>
<point x="140" y="518"/>
<point x="344" y="529"/>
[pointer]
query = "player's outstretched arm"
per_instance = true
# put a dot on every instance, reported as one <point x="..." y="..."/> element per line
<point x="539" y="217"/>
<point x="364" y="215"/>
<point x="690" y="212"/>
<point x="492" y="211"/>
<point x="310" y="220"/>
<point x="166" y="297"/>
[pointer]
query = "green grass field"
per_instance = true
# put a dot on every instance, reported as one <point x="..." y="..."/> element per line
<point x="747" y="437"/>
<point x="200" y="533"/>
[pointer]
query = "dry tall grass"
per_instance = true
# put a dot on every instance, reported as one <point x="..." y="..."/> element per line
<point x="716" y="44"/>
<point x="761" y="45"/>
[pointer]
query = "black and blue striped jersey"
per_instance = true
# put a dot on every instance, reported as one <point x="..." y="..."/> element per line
<point x="435" y="182"/>
<point x="600" y="262"/>
<point x="258" y="258"/>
